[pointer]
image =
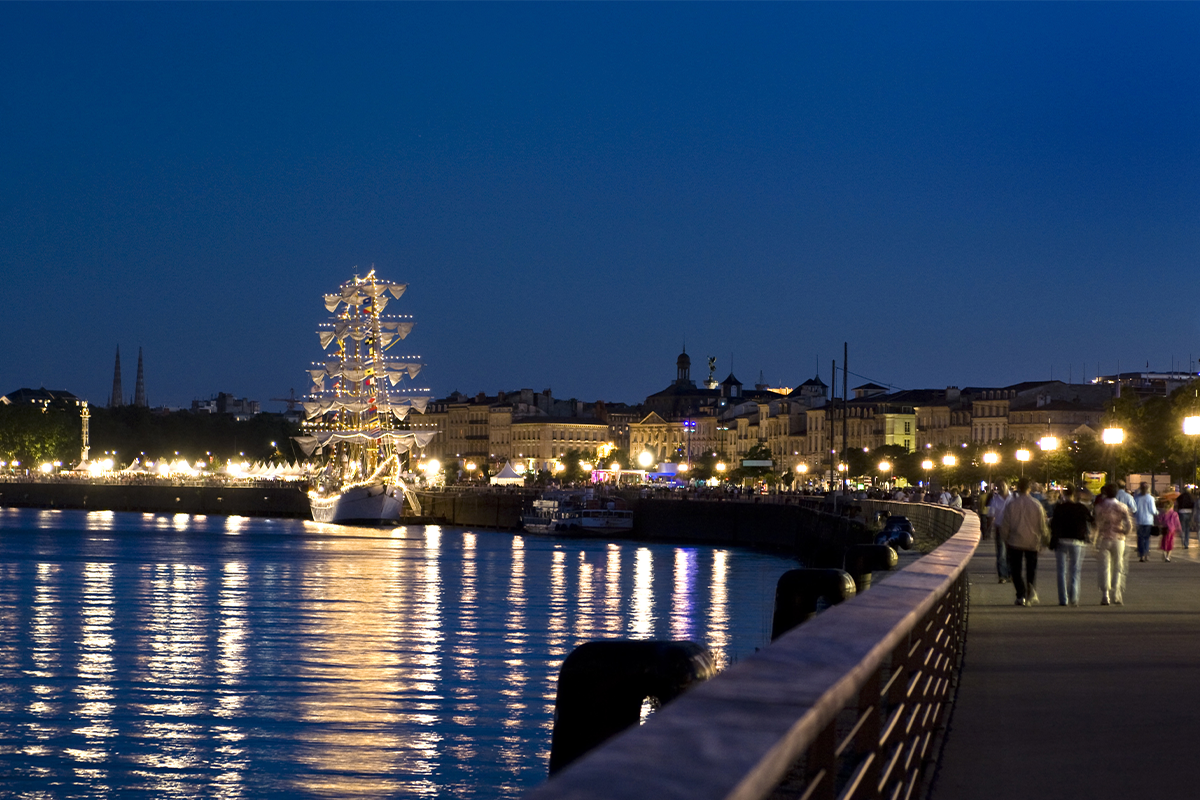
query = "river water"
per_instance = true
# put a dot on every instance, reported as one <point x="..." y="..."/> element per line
<point x="150" y="655"/>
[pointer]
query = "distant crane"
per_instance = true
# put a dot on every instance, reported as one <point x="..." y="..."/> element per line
<point x="291" y="400"/>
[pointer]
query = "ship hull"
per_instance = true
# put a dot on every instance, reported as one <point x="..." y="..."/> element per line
<point x="362" y="505"/>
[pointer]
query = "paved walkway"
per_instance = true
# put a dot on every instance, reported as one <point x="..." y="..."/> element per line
<point x="1090" y="701"/>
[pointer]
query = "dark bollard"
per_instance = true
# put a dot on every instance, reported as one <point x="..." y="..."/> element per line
<point x="863" y="559"/>
<point x="602" y="685"/>
<point x="799" y="590"/>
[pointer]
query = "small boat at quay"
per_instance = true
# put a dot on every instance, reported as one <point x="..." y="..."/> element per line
<point x="581" y="512"/>
<point x="358" y="409"/>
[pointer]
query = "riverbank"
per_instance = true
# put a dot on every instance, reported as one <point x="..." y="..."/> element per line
<point x="798" y="528"/>
<point x="285" y="501"/>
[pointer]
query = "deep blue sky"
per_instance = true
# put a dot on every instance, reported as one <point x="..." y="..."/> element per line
<point x="970" y="194"/>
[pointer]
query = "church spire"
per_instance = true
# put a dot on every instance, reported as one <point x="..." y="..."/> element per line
<point x="139" y="392"/>
<point x="117" y="398"/>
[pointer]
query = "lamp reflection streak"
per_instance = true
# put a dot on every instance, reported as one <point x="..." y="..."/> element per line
<point x="516" y="675"/>
<point x="718" y="608"/>
<point x="558" y="611"/>
<point x="230" y="760"/>
<point x="168" y="755"/>
<point x="465" y="656"/>
<point x="682" y="612"/>
<point x="584" y="593"/>
<point x="96" y="669"/>
<point x="641" y="621"/>
<point x="613" y="621"/>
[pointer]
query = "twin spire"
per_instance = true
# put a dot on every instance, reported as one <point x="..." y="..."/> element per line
<point x="139" y="392"/>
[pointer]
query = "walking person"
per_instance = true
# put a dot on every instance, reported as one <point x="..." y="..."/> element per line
<point x="1184" y="506"/>
<point x="985" y="513"/>
<point x="1070" y="531"/>
<point x="1168" y="523"/>
<point x="1000" y="498"/>
<point x="1113" y="524"/>
<point x="1125" y="498"/>
<point x="1023" y="529"/>
<point x="1145" y="512"/>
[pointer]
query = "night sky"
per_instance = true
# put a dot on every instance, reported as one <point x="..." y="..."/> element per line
<point x="969" y="194"/>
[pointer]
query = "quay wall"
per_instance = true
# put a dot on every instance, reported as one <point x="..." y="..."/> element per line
<point x="800" y="529"/>
<point x="247" y="501"/>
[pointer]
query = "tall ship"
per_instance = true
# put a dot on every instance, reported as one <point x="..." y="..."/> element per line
<point x="359" y="407"/>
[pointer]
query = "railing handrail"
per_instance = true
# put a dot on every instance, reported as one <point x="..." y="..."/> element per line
<point x="738" y="735"/>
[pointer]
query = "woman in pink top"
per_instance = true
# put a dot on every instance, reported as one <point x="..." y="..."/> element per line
<point x="1168" y="522"/>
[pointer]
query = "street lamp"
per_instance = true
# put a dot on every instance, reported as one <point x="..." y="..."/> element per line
<point x="1191" y="427"/>
<point x="645" y="459"/>
<point x="1048" y="444"/>
<point x="802" y="468"/>
<point x="927" y="465"/>
<point x="1113" y="436"/>
<point x="991" y="459"/>
<point x="1022" y="456"/>
<point x="949" y="462"/>
<point x="884" y="468"/>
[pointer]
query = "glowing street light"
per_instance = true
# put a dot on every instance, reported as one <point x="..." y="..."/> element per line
<point x="991" y="459"/>
<point x="1191" y="428"/>
<point x="949" y="460"/>
<point x="1048" y="444"/>
<point x="1022" y="455"/>
<point x="1113" y="437"/>
<point x="927" y="465"/>
<point x="645" y="459"/>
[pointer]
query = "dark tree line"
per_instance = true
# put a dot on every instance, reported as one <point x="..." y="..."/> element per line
<point x="33" y="436"/>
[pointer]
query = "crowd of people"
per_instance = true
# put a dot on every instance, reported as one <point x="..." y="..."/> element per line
<point x="1025" y="521"/>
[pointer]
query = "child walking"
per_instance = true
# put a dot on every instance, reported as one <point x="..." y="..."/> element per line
<point x="1168" y="522"/>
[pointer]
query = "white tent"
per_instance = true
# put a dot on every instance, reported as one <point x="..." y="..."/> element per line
<point x="508" y="477"/>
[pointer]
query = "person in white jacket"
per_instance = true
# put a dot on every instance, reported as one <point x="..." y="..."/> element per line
<point x="1023" y="529"/>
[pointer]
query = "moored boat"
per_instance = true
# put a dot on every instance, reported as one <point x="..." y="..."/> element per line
<point x="359" y="406"/>
<point x="581" y="512"/>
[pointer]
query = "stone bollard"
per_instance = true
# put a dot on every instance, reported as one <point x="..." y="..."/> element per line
<point x="798" y="592"/>
<point x="863" y="559"/>
<point x="602" y="685"/>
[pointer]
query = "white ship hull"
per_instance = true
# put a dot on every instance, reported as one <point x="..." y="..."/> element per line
<point x="365" y="505"/>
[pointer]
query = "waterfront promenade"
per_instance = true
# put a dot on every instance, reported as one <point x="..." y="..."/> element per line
<point x="1094" y="701"/>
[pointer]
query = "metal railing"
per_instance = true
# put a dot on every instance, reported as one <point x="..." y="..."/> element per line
<point x="848" y="705"/>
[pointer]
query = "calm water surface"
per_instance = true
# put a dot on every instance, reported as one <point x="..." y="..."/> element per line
<point x="149" y="655"/>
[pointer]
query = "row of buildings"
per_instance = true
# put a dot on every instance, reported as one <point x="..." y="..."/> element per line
<point x="798" y="426"/>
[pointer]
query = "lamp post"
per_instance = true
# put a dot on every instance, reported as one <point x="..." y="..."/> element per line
<point x="689" y="425"/>
<point x="1191" y="428"/>
<point x="1048" y="444"/>
<point x="802" y="469"/>
<point x="1113" y="437"/>
<point x="949" y="462"/>
<point x="1022" y="456"/>
<point x="884" y="469"/>
<point x="927" y="465"/>
<point x="991" y="459"/>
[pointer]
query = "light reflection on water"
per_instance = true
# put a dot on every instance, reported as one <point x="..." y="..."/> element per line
<point x="172" y="656"/>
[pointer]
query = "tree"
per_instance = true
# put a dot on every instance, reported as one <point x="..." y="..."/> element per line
<point x="32" y="435"/>
<point x="759" y="452"/>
